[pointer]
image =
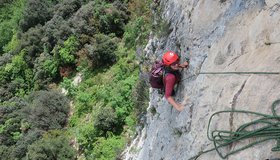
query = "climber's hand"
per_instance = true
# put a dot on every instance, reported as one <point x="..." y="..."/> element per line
<point x="185" y="65"/>
<point x="180" y="107"/>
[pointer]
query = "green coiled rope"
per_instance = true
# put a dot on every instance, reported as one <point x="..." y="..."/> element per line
<point x="269" y="130"/>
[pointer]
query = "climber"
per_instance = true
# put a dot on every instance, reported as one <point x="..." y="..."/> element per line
<point x="172" y="76"/>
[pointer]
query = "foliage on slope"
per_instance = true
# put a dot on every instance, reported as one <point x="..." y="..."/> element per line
<point x="44" y="43"/>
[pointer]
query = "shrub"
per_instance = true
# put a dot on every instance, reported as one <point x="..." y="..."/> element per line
<point x="36" y="12"/>
<point x="4" y="59"/>
<point x="12" y="45"/>
<point x="162" y="29"/>
<point x="17" y="75"/>
<point x="19" y="150"/>
<point x="31" y="42"/>
<point x="112" y="21"/>
<point x="69" y="86"/>
<point x="83" y="63"/>
<point x="6" y="34"/>
<point x="135" y="32"/>
<point x="109" y="18"/>
<point x="140" y="96"/>
<point x="51" y="147"/>
<point x="5" y="2"/>
<point x="82" y="22"/>
<point x="84" y="103"/>
<point x="56" y="31"/>
<point x="45" y="70"/>
<point x="66" y="53"/>
<point x="66" y="8"/>
<point x="139" y="8"/>
<point x="5" y="152"/>
<point x="86" y="135"/>
<point x="107" y="121"/>
<point x="47" y="110"/>
<point x="17" y="67"/>
<point x="102" y="50"/>
<point x="10" y="121"/>
<point x="50" y="66"/>
<point x="5" y="93"/>
<point x="108" y="149"/>
<point x="11" y="13"/>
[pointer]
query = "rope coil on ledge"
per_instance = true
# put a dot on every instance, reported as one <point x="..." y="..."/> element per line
<point x="270" y="130"/>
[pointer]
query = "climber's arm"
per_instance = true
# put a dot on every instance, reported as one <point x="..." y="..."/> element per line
<point x="170" y="81"/>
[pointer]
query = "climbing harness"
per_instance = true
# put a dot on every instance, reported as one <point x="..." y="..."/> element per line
<point x="269" y="129"/>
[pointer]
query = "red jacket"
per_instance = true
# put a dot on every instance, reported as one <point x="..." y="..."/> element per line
<point x="170" y="81"/>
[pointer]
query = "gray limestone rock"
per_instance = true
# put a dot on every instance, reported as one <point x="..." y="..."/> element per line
<point x="222" y="36"/>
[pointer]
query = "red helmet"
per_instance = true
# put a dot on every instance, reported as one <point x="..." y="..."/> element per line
<point x="169" y="58"/>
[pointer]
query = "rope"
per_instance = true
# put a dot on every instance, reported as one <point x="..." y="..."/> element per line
<point x="227" y="73"/>
<point x="270" y="43"/>
<point x="239" y="73"/>
<point x="269" y="130"/>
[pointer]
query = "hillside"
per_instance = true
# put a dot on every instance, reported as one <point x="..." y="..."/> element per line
<point x="68" y="77"/>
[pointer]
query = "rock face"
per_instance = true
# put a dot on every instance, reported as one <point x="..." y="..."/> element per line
<point x="223" y="36"/>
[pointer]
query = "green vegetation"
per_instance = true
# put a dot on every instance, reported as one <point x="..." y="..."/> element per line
<point x="111" y="146"/>
<point x="53" y="145"/>
<point x="43" y="44"/>
<point x="47" y="110"/>
<point x="9" y="18"/>
<point x="66" y="53"/>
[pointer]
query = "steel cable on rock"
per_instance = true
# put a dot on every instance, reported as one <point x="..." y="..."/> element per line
<point x="270" y="130"/>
